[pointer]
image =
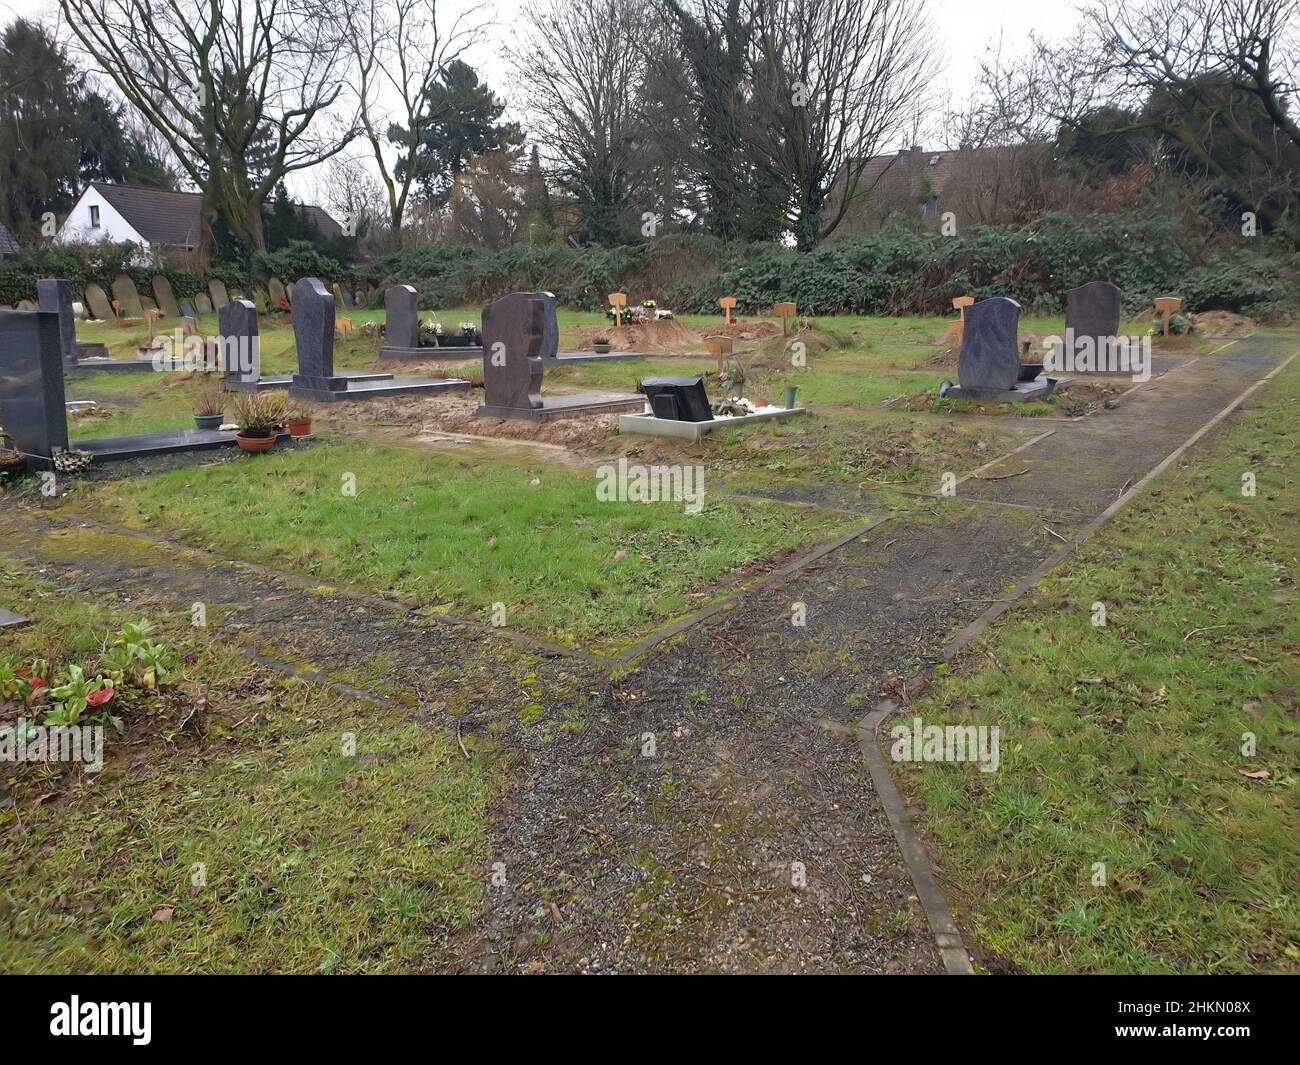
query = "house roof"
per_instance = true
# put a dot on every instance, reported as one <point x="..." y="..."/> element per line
<point x="165" y="217"/>
<point x="8" y="246"/>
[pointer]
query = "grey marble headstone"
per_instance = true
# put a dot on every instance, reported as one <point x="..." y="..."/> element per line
<point x="125" y="294"/>
<point x="277" y="290"/>
<point x="203" y="303"/>
<point x="240" y="345"/>
<point x="313" y="333"/>
<point x="348" y="299"/>
<point x="513" y="331"/>
<point x="31" y="384"/>
<point x="55" y="297"/>
<point x="988" y="357"/>
<point x="217" y="290"/>
<point x="1092" y="311"/>
<point x="99" y="305"/>
<point x="162" y="292"/>
<point x="401" y="317"/>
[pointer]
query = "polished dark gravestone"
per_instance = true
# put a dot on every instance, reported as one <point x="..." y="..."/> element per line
<point x="1091" y="326"/>
<point x="33" y="408"/>
<point x="54" y="296"/>
<point x="514" y="335"/>
<point x="31" y="385"/>
<point x="551" y="354"/>
<point x="988" y="365"/>
<point x="239" y="347"/>
<point x="313" y="333"/>
<point x="402" y="332"/>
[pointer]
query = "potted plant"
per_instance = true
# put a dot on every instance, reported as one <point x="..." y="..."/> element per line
<point x="600" y="344"/>
<point x="209" y="404"/>
<point x="259" y="416"/>
<point x="298" y="421"/>
<point x="430" y="334"/>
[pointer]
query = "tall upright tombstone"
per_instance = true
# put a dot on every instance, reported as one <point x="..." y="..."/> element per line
<point x="54" y="296"/>
<point x="217" y="290"/>
<point x="988" y="359"/>
<point x="513" y="328"/>
<point x="401" y="317"/>
<point x="1091" y="325"/>
<point x="988" y="365"/>
<point x="31" y="384"/>
<point x="515" y="333"/>
<point x="313" y="334"/>
<point x="239" y="346"/>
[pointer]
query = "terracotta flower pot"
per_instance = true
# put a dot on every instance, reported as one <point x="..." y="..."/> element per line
<point x="255" y="444"/>
<point x="300" y="427"/>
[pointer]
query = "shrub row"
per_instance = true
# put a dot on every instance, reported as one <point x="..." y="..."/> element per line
<point x="896" y="271"/>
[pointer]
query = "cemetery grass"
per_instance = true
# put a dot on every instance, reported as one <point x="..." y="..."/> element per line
<point x="457" y="536"/>
<point x="96" y="869"/>
<point x="1122" y="744"/>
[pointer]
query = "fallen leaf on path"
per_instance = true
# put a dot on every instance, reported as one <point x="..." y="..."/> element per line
<point x="1259" y="774"/>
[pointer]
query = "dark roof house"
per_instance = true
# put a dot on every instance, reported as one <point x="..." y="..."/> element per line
<point x="150" y="217"/>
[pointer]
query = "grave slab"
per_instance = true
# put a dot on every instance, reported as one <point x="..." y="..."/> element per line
<point x="120" y="448"/>
<point x="10" y="620"/>
<point x="649" y="425"/>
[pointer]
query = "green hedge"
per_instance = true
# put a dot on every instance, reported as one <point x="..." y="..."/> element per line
<point x="896" y="271"/>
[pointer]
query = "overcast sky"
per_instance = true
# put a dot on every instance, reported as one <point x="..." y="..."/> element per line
<point x="966" y="30"/>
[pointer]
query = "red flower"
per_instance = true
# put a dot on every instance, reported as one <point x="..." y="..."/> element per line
<point x="100" y="697"/>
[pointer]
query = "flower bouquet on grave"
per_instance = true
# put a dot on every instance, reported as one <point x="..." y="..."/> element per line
<point x="732" y="378"/>
<point x="430" y="334"/>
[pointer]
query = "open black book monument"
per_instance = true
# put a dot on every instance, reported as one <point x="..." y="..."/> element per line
<point x="988" y="365"/>
<point x="313" y="333"/>
<point x="514" y="335"/>
<point x="678" y="399"/>
<point x="33" y="410"/>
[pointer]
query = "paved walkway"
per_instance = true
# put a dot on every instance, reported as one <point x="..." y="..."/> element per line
<point x="686" y="860"/>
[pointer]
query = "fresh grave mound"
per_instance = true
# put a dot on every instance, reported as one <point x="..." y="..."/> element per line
<point x="742" y="330"/>
<point x="776" y="351"/>
<point x="664" y="337"/>
<point x="450" y="412"/>
<point x="1224" y="324"/>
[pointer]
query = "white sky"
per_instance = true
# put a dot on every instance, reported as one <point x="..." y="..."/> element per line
<point x="966" y="30"/>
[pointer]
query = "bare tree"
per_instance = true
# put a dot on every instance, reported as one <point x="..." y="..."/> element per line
<point x="399" y="53"/>
<point x="235" y="87"/>
<point x="581" y="76"/>
<point x="1219" y="78"/>
<point x="834" y="82"/>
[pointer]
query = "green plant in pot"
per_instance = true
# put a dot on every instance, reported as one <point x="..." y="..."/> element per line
<point x="297" y="420"/>
<point x="600" y="344"/>
<point x="259" y="416"/>
<point x="209" y="403"/>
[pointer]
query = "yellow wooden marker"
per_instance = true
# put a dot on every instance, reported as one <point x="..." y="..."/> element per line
<point x="720" y="348"/>
<point x="959" y="305"/>
<point x="1166" y="307"/>
<point x="785" y="311"/>
<point x="343" y="325"/>
<point x="728" y="304"/>
<point x="618" y="300"/>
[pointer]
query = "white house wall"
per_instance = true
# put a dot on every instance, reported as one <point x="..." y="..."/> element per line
<point x="76" y="228"/>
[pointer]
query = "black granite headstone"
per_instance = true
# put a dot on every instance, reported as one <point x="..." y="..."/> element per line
<point x="31" y="384"/>
<point x="55" y="297"/>
<point x="988" y="358"/>
<point x="401" y="317"/>
<point x="1092" y="320"/>
<point x="513" y="331"/>
<point x="313" y="333"/>
<point x="240" y="345"/>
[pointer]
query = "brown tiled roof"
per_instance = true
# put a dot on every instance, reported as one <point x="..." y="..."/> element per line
<point x="164" y="217"/>
<point x="8" y="246"/>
